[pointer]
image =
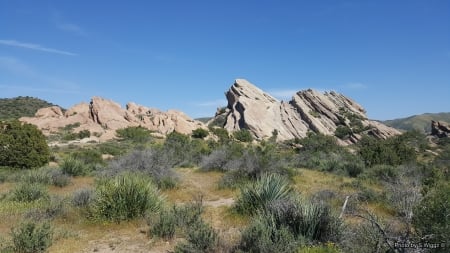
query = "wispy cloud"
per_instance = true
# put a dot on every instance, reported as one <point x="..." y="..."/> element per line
<point x="37" y="47"/>
<point x="62" y="24"/>
<point x="18" y="68"/>
<point x="73" y="28"/>
<point x="354" y="86"/>
<point x="212" y="103"/>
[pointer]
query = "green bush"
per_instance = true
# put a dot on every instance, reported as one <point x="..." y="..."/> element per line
<point x="343" y="132"/>
<point x="83" y="197"/>
<point x="265" y="236"/>
<point x="153" y="162"/>
<point x="243" y="135"/>
<point x="73" y="167"/>
<point x="257" y="195"/>
<point x="84" y="134"/>
<point x="200" y="238"/>
<point x="223" y="134"/>
<point x="431" y="215"/>
<point x="328" y="248"/>
<point x="126" y="197"/>
<point x="26" y="192"/>
<point x="32" y="237"/>
<point x="22" y="146"/>
<point x="200" y="133"/>
<point x="393" y="151"/>
<point x="52" y="209"/>
<point x="134" y="134"/>
<point x="165" y="225"/>
<point x="46" y="176"/>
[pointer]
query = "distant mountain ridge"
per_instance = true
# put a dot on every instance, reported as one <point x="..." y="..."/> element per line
<point x="420" y="122"/>
<point x="17" y="107"/>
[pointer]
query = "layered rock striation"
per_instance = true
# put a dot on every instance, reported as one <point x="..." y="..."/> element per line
<point x="328" y="113"/>
<point x="104" y="117"/>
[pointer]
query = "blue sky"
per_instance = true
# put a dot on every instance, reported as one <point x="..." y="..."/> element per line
<point x="393" y="57"/>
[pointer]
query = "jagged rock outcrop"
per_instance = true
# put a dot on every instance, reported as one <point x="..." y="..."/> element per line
<point x="440" y="129"/>
<point x="104" y="117"/>
<point x="309" y="110"/>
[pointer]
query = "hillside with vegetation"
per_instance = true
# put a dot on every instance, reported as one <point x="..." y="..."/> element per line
<point x="14" y="108"/>
<point x="193" y="193"/>
<point x="420" y="122"/>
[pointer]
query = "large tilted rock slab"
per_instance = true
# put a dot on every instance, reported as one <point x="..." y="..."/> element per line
<point x="309" y="110"/>
<point x="104" y="117"/>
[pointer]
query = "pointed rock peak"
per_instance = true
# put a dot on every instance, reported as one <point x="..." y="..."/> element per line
<point x="243" y="88"/>
<point x="309" y="110"/>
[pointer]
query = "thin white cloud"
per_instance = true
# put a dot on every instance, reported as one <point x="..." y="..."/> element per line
<point x="354" y="86"/>
<point x="72" y="28"/>
<point x="37" y="47"/>
<point x="16" y="67"/>
<point x="212" y="103"/>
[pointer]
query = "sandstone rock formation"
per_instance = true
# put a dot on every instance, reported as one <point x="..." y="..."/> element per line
<point x="309" y="110"/>
<point x="104" y="117"/>
<point x="440" y="129"/>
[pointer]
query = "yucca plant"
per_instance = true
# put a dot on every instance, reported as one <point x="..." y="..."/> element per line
<point x="126" y="196"/>
<point x="257" y="195"/>
<point x="73" y="167"/>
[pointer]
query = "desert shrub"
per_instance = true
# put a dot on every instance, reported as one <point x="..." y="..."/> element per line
<point x="84" y="134"/>
<point x="89" y="157"/>
<point x="200" y="133"/>
<point x="216" y="160"/>
<point x="83" y="197"/>
<point x="134" y="134"/>
<point x="431" y="217"/>
<point x="265" y="236"/>
<point x="318" y="143"/>
<point x="58" y="178"/>
<point x="112" y="148"/>
<point x="306" y="219"/>
<point x="32" y="237"/>
<point x="221" y="133"/>
<point x="181" y="150"/>
<point x="22" y="146"/>
<point x="189" y="213"/>
<point x="257" y="195"/>
<point x="343" y="132"/>
<point x="125" y="197"/>
<point x="153" y="162"/>
<point x="243" y="135"/>
<point x="354" y="168"/>
<point x="243" y="164"/>
<point x="382" y="172"/>
<point x="200" y="237"/>
<point x="26" y="192"/>
<point x="74" y="167"/>
<point x="393" y="151"/>
<point x="327" y="248"/>
<point x="164" y="226"/>
<point x="52" y="209"/>
<point x="46" y="176"/>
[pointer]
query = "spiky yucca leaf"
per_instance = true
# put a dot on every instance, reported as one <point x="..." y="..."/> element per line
<point x="255" y="196"/>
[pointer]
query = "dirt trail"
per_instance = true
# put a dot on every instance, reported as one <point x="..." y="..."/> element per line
<point x="192" y="185"/>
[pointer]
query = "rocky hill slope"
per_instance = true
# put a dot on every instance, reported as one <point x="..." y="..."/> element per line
<point x="103" y="117"/>
<point x="14" y="108"/>
<point x="418" y="122"/>
<point x="329" y="113"/>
